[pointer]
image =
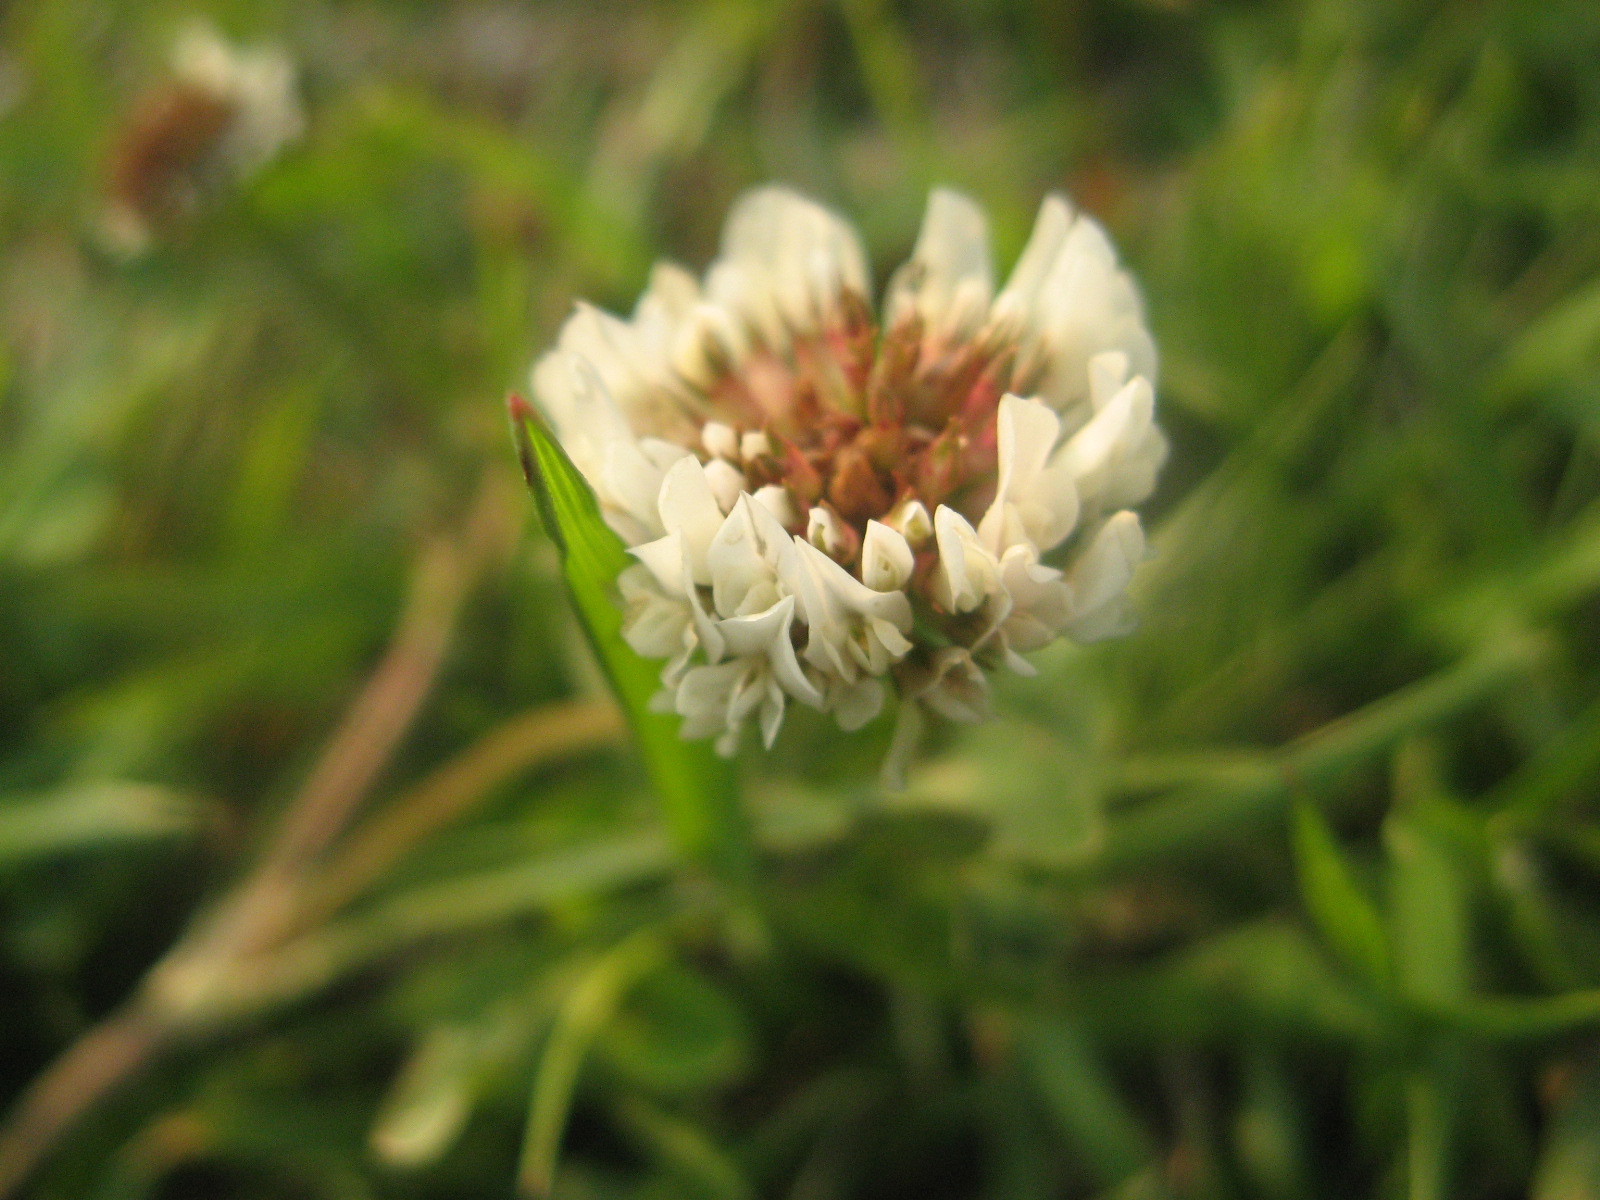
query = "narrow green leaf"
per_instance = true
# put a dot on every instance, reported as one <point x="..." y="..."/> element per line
<point x="697" y="789"/>
<point x="1083" y="1100"/>
<point x="1428" y="911"/>
<point x="683" y="1150"/>
<point x="1344" y="914"/>
<point x="92" y="816"/>
<point x="590" y="1004"/>
<point x="1269" y="1127"/>
<point x="451" y="1065"/>
<point x="1430" y="1122"/>
<point x="1516" y="1018"/>
<point x="430" y="1101"/>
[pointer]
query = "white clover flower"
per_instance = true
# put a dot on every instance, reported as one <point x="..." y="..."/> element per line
<point x="256" y="84"/>
<point x="225" y="112"/>
<point x="823" y="508"/>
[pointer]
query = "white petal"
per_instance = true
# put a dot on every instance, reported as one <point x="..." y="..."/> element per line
<point x="767" y="635"/>
<point x="954" y="686"/>
<point x="1038" y="256"/>
<point x="1028" y="505"/>
<point x="706" y="342"/>
<point x="1108" y="371"/>
<point x="911" y="519"/>
<point x="703" y="698"/>
<point x="754" y="635"/>
<point x="772" y="705"/>
<point x="851" y="626"/>
<point x="726" y="480"/>
<point x="656" y="623"/>
<point x="785" y="259"/>
<point x="578" y="404"/>
<point x="886" y="559"/>
<point x="949" y="279"/>
<point x="671" y="296"/>
<point x="824" y="531"/>
<point x="755" y="444"/>
<point x="608" y="345"/>
<point x="777" y="501"/>
<point x="1040" y="602"/>
<point x="688" y="506"/>
<point x="742" y="578"/>
<point x="771" y="536"/>
<point x="854" y="704"/>
<point x="821" y="612"/>
<point x="720" y="440"/>
<point x="1115" y="457"/>
<point x="1069" y="301"/>
<point x="629" y="481"/>
<point x="850" y="595"/>
<point x="966" y="572"/>
<point x="664" y="557"/>
<point x="1100" y="577"/>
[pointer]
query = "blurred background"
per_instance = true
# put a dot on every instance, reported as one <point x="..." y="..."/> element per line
<point x="325" y="868"/>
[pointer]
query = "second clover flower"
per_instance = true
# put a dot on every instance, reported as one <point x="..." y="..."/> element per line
<point x="824" y="506"/>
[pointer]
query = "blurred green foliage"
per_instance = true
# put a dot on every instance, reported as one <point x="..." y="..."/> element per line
<point x="1295" y="893"/>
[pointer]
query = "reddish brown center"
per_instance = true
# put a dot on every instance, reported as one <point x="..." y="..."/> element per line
<point x="861" y="422"/>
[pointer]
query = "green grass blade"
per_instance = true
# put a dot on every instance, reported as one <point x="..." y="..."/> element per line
<point x="92" y="816"/>
<point x="1344" y="914"/>
<point x="697" y="789"/>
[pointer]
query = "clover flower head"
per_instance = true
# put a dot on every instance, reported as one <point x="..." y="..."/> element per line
<point x="224" y="113"/>
<point x="826" y="504"/>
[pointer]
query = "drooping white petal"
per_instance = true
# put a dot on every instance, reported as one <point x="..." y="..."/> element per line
<point x="704" y="696"/>
<point x="655" y="622"/>
<point x="1039" y="602"/>
<point x="952" y="685"/>
<point x="664" y="558"/>
<point x="767" y="635"/>
<point x="772" y="706"/>
<point x="628" y="486"/>
<point x="854" y="704"/>
<point x="852" y="627"/>
<point x="1099" y="579"/>
<point x="667" y="560"/>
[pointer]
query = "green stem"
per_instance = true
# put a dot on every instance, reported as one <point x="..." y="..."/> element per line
<point x="1179" y="822"/>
